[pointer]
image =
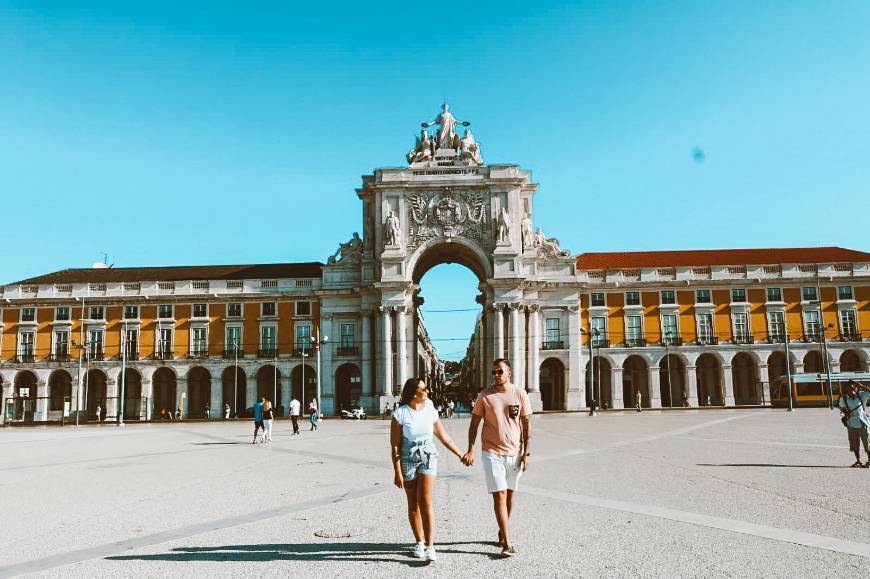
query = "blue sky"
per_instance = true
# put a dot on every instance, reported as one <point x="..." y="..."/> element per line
<point x="169" y="133"/>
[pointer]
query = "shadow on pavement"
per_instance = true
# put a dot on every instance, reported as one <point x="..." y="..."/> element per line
<point x="777" y="465"/>
<point x="383" y="552"/>
<point x="212" y="443"/>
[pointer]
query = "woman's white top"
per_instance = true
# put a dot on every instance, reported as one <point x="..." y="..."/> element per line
<point x="417" y="425"/>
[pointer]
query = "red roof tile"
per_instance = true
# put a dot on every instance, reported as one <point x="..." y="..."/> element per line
<point x="179" y="273"/>
<point x="702" y="257"/>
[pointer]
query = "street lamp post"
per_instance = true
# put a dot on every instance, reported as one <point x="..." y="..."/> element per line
<point x="827" y="366"/>
<point x="123" y="372"/>
<point x="594" y="402"/>
<point x="788" y="373"/>
<point x="80" y="345"/>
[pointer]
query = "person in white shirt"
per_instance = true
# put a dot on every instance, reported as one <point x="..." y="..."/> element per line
<point x="853" y="402"/>
<point x="295" y="411"/>
<point x="414" y="425"/>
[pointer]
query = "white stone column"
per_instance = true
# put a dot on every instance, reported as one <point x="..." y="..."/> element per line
<point x="366" y="354"/>
<point x="534" y="349"/>
<point x="286" y="392"/>
<point x="728" y="384"/>
<point x="616" y="387"/>
<point x="386" y="344"/>
<point x="498" y="322"/>
<point x="655" y="387"/>
<point x="326" y="373"/>
<point x="42" y="400"/>
<point x="575" y="369"/>
<point x="401" y="346"/>
<point x="764" y="378"/>
<point x="111" y="410"/>
<point x="148" y="393"/>
<point x="514" y="342"/>
<point x="692" y="384"/>
<point x="216" y="400"/>
<point x="183" y="396"/>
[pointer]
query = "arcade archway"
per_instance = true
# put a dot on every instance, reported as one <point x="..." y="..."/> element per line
<point x="348" y="387"/>
<point x="553" y="388"/>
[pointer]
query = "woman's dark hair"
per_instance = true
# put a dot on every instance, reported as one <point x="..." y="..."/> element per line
<point x="409" y="389"/>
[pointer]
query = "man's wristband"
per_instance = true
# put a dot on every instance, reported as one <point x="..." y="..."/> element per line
<point x="527" y="454"/>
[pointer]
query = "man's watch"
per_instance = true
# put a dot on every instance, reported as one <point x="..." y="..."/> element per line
<point x="527" y="454"/>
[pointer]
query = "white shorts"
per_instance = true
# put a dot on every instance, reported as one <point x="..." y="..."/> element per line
<point x="502" y="472"/>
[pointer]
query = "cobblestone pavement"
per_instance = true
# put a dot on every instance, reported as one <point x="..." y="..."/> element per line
<point x="680" y="493"/>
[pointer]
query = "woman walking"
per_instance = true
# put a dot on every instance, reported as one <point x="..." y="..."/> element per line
<point x="313" y="414"/>
<point x="415" y="460"/>
<point x="268" y="416"/>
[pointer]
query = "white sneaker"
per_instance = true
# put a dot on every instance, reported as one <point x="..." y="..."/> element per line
<point x="419" y="550"/>
<point x="430" y="554"/>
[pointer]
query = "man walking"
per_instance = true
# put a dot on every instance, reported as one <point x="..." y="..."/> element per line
<point x="258" y="419"/>
<point x="852" y="404"/>
<point x="638" y="399"/>
<point x="295" y="411"/>
<point x="505" y="411"/>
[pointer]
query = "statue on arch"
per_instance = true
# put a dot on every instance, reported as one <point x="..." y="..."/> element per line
<point x="423" y="150"/>
<point x="503" y="226"/>
<point x="549" y="246"/>
<point x="447" y="133"/>
<point x="526" y="230"/>
<point x="469" y="150"/>
<point x="393" y="230"/>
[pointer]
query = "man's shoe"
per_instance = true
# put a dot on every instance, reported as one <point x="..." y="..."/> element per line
<point x="430" y="554"/>
<point x="419" y="550"/>
<point x="508" y="551"/>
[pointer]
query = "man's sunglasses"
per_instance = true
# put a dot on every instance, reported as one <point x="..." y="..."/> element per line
<point x="497" y="372"/>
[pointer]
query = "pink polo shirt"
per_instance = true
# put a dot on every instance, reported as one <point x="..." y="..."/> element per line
<point x="501" y="433"/>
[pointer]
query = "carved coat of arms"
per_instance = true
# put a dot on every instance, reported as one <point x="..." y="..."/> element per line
<point x="448" y="214"/>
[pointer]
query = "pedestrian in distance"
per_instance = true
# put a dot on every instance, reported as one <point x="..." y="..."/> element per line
<point x="207" y="411"/>
<point x="450" y="406"/>
<point x="226" y="411"/>
<point x="413" y="430"/>
<point x="853" y="405"/>
<point x="313" y="415"/>
<point x="295" y="411"/>
<point x="178" y="415"/>
<point x="504" y="410"/>
<point x="99" y="411"/>
<point x="258" y="418"/>
<point x="268" y="417"/>
<point x="638" y="399"/>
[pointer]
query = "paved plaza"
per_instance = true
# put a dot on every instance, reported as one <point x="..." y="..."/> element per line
<point x="685" y="493"/>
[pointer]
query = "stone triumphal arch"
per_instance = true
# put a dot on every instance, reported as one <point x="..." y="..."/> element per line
<point x="448" y="206"/>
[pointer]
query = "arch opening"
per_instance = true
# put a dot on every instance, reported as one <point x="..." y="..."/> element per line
<point x="635" y="378"/>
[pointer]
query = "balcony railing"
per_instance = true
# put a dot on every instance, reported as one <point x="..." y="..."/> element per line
<point x="95" y="356"/>
<point x="812" y="337"/>
<point x="25" y="358"/>
<point x="707" y="340"/>
<point x="742" y="339"/>
<point x="131" y="356"/>
<point x="267" y="353"/>
<point x="347" y="351"/>
<point x="163" y="355"/>
<point x="60" y="356"/>
<point x="233" y="353"/>
<point x="672" y="341"/>
<point x="299" y="352"/>
<point x="853" y="337"/>
<point x="553" y="345"/>
<point x="600" y="343"/>
<point x="199" y="353"/>
<point x="635" y="342"/>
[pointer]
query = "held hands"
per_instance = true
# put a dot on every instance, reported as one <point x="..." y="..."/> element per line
<point x="467" y="458"/>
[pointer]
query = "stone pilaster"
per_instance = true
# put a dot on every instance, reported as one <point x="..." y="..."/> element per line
<point x="616" y="386"/>
<point x="216" y="400"/>
<point x="534" y="349"/>
<point x="655" y="387"/>
<point x="386" y="358"/>
<point x="367" y="385"/>
<point x="692" y="385"/>
<point x="728" y="384"/>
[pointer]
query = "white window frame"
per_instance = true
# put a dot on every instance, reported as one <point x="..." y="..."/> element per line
<point x="193" y="311"/>
<point x="676" y="335"/>
<point x="662" y="297"/>
<point x="603" y="294"/>
<point x="171" y="312"/>
<point x="241" y="338"/>
<point x="639" y="303"/>
<point x="815" y="291"/>
<point x="767" y="299"/>
<point x="702" y="339"/>
<point x="773" y="326"/>
<point x="296" y="308"/>
<point x="158" y="337"/>
<point x="193" y="342"/>
<point x="68" y="314"/>
<point x="21" y="343"/>
<point x="855" y="331"/>
<point x="342" y="335"/>
<point x="602" y="330"/>
<point x="745" y="295"/>
<point x="628" y="336"/>
<point x="241" y="311"/>
<point x="274" y="329"/>
<point x="102" y="316"/>
<point x="851" y="297"/>
<point x="738" y="336"/>
<point x="21" y="316"/>
<point x="102" y="341"/>
<point x="308" y="344"/>
<point x="124" y="312"/>
<point x="54" y="340"/>
<point x="263" y="307"/>
<point x="812" y="328"/>
<point x="126" y="329"/>
<point x="709" y="292"/>
<point x="547" y="329"/>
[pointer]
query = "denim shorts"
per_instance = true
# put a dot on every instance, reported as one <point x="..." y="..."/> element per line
<point x="410" y="470"/>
